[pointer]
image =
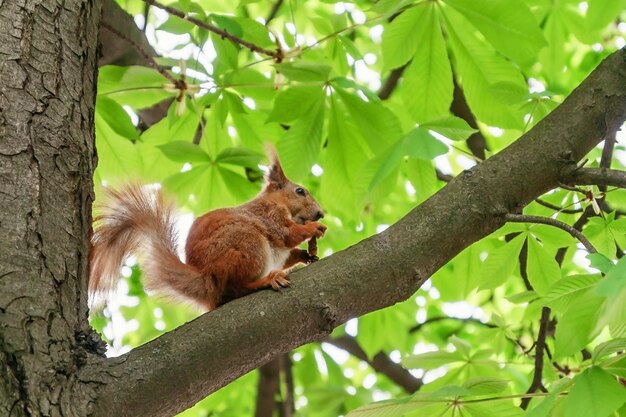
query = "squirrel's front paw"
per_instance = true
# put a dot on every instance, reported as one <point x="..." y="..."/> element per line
<point x="318" y="229"/>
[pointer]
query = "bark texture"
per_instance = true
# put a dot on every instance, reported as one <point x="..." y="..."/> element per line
<point x="47" y="95"/>
<point x="196" y="359"/>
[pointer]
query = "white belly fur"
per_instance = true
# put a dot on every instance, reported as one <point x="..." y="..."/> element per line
<point x="276" y="258"/>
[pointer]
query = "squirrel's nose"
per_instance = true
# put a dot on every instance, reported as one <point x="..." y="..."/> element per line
<point x="319" y="215"/>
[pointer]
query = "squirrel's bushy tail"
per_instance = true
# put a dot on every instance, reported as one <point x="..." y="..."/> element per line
<point x="137" y="220"/>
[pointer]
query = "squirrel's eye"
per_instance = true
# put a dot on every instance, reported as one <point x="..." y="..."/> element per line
<point x="300" y="191"/>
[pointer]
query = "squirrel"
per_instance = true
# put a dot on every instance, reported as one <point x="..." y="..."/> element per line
<point x="230" y="252"/>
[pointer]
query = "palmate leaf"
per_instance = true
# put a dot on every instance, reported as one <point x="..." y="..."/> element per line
<point x="377" y="124"/>
<point x="425" y="403"/>
<point x="500" y="263"/>
<point x="119" y="157"/>
<point x="507" y="24"/>
<point x="608" y="348"/>
<point x="596" y="393"/>
<point x="479" y="68"/>
<point x="575" y="327"/>
<point x="403" y="34"/>
<point x="156" y="164"/>
<point x="116" y="117"/>
<point x="300" y="145"/>
<point x="180" y="151"/>
<point x="135" y="86"/>
<point x="565" y="292"/>
<point x="428" y="87"/>
<point x="295" y="102"/>
<point x="452" y="127"/>
<point x="543" y="270"/>
<point x="345" y="155"/>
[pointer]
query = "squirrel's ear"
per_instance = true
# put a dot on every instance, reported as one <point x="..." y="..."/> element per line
<point x="275" y="176"/>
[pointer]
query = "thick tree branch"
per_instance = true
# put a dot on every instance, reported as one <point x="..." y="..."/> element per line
<point x="598" y="176"/>
<point x="380" y="363"/>
<point x="179" y="368"/>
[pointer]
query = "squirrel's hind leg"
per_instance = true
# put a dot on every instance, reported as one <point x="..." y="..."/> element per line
<point x="274" y="279"/>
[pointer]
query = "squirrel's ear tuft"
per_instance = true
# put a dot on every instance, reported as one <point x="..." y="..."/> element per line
<point x="275" y="176"/>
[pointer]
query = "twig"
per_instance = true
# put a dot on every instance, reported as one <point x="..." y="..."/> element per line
<point x="390" y="84"/>
<point x="476" y="142"/>
<point x="557" y="208"/>
<point x="523" y="218"/>
<point x="143" y="53"/>
<point x="536" y="383"/>
<point x="273" y="12"/>
<point x="523" y="265"/>
<point x="380" y="362"/>
<point x="277" y="55"/>
<point x="431" y="320"/>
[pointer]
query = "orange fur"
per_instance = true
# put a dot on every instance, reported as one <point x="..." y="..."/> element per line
<point x="230" y="252"/>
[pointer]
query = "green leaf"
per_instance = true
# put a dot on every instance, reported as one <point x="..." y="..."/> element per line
<point x="295" y="102"/>
<point x="303" y="71"/>
<point x="425" y="403"/>
<point x="608" y="348"/>
<point x="300" y="145"/>
<point x="543" y="270"/>
<point x="595" y="394"/>
<point x="500" y="263"/>
<point x="118" y="156"/>
<point x="486" y="385"/>
<point x="345" y="155"/>
<point x="507" y="24"/>
<point x="479" y="67"/>
<point x="433" y="360"/>
<point x="427" y="89"/>
<point x="602" y="233"/>
<point x="403" y="34"/>
<point x="157" y="165"/>
<point x="566" y="292"/>
<point x="377" y="124"/>
<point x="613" y="314"/>
<point x="419" y="143"/>
<point x="180" y="151"/>
<point x="116" y="117"/>
<point x="452" y="127"/>
<point x="240" y="156"/>
<point x="552" y="236"/>
<point x="615" y="279"/>
<point x="574" y="328"/>
<point x="135" y="86"/>
<point x="498" y="408"/>
<point x="423" y="177"/>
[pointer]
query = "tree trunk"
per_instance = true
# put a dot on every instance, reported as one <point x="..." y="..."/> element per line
<point x="47" y="155"/>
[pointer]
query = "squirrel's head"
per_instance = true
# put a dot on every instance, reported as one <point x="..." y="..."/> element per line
<point x="296" y="198"/>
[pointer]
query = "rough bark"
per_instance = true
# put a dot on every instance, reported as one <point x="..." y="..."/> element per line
<point x="196" y="359"/>
<point x="47" y="95"/>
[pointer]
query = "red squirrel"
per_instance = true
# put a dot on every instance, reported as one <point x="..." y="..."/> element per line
<point x="230" y="252"/>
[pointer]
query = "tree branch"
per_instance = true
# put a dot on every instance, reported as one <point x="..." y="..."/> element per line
<point x="536" y="383"/>
<point x="380" y="363"/>
<point x="267" y="388"/>
<point x="276" y="55"/>
<point x="598" y="176"/>
<point x="523" y="218"/>
<point x="207" y="353"/>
